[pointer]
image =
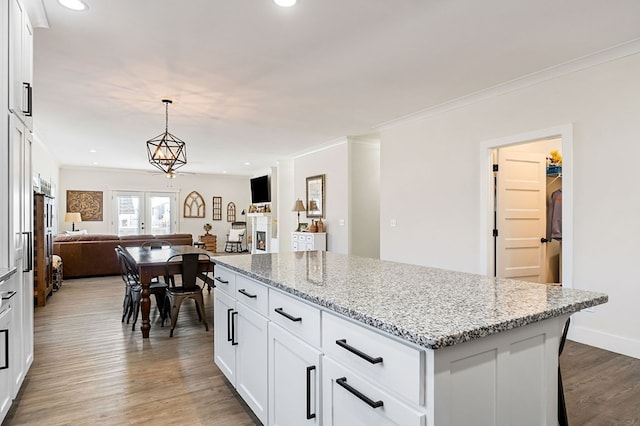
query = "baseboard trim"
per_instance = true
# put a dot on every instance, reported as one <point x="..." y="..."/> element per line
<point x="609" y="342"/>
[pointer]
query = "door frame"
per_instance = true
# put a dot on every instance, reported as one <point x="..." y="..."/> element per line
<point x="565" y="132"/>
<point x="145" y="193"/>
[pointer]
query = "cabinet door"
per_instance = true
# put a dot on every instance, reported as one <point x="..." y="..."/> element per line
<point x="294" y="380"/>
<point x="251" y="360"/>
<point x="224" y="333"/>
<point x="350" y="400"/>
<point x="5" y="372"/>
<point x="21" y="66"/>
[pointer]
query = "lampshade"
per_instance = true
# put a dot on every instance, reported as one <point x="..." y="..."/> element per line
<point x="72" y="217"/>
<point x="166" y="151"/>
<point x="299" y="206"/>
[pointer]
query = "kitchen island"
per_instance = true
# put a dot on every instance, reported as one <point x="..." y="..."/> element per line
<point x="415" y="345"/>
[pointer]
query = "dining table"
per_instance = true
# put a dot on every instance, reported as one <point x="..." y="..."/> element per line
<point x="152" y="262"/>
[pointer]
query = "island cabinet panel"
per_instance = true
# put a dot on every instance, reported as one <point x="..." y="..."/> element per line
<point x="240" y="337"/>
<point x="224" y="349"/>
<point x="392" y="364"/>
<point x="251" y="359"/>
<point x="294" y="380"/>
<point x="350" y="399"/>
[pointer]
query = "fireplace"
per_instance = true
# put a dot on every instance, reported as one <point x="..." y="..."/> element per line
<point x="261" y="240"/>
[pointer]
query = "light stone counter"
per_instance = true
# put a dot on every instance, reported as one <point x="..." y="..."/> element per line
<point x="431" y="307"/>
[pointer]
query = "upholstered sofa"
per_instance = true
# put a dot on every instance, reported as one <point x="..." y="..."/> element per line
<point x="94" y="255"/>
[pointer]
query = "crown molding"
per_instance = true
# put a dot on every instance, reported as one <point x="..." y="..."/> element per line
<point x="608" y="55"/>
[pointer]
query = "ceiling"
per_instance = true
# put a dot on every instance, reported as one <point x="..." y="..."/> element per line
<point x="253" y="83"/>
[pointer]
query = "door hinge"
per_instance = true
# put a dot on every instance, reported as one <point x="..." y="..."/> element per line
<point x="495" y="232"/>
<point x="495" y="167"/>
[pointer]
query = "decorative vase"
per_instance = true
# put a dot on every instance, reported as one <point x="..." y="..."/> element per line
<point x="320" y="226"/>
<point x="313" y="227"/>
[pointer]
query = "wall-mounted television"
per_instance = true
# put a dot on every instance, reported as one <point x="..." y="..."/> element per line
<point x="260" y="189"/>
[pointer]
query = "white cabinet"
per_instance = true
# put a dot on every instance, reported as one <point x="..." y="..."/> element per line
<point x="6" y="388"/>
<point x="308" y="241"/>
<point x="21" y="64"/>
<point x="240" y="337"/>
<point x="294" y="380"/>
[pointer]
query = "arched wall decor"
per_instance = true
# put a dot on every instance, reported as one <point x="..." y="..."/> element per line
<point x="231" y="212"/>
<point x="194" y="205"/>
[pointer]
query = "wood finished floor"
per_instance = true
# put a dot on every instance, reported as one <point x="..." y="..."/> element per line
<point x="91" y="369"/>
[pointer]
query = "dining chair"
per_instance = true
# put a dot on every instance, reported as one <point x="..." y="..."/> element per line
<point x="156" y="287"/>
<point x="132" y="289"/>
<point x="562" y="406"/>
<point x="188" y="288"/>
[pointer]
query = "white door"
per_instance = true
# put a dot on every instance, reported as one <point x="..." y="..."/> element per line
<point x="521" y="215"/>
<point x="251" y="360"/>
<point x="294" y="380"/>
<point x="144" y="213"/>
<point x="224" y="334"/>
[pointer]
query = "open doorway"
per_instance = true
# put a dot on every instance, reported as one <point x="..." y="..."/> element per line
<point x="517" y="240"/>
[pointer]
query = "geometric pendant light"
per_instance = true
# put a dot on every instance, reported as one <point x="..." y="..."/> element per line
<point x="165" y="151"/>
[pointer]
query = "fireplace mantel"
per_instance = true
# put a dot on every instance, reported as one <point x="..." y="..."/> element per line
<point x="261" y="223"/>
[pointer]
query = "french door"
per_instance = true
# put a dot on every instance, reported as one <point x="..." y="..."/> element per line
<point x="138" y="213"/>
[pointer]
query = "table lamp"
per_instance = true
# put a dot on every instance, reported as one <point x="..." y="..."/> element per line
<point x="73" y="218"/>
<point x="299" y="207"/>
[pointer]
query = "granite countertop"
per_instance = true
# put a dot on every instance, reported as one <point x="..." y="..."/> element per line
<point x="6" y="273"/>
<point x="431" y="307"/>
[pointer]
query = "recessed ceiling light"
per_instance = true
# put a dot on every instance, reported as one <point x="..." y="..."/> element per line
<point x="74" y="4"/>
<point x="247" y="163"/>
<point x="93" y="151"/>
<point x="285" y="3"/>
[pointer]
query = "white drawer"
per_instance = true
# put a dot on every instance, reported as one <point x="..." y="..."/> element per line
<point x="309" y="238"/>
<point x="350" y="399"/>
<point x="225" y="280"/>
<point x="381" y="359"/>
<point x="296" y="316"/>
<point x="252" y="294"/>
<point x="294" y="237"/>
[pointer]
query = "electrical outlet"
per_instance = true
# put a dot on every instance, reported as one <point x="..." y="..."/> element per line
<point x="341" y="222"/>
<point x="394" y="223"/>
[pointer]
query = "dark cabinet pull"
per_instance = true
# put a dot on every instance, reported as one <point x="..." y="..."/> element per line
<point x="29" y="110"/>
<point x="286" y="315"/>
<point x="249" y="295"/>
<point x="233" y="329"/>
<point x="6" y="349"/>
<point x="310" y="415"/>
<point x="29" y="251"/>
<point x="342" y="381"/>
<point x="343" y="344"/>
<point x="221" y="280"/>
<point x="6" y="295"/>
<point x="229" y="319"/>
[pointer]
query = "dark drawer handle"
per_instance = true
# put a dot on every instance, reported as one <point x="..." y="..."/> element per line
<point x="221" y="280"/>
<point x="233" y="329"/>
<point x="342" y="381"/>
<point x="343" y="344"/>
<point x="310" y="415"/>
<point x="229" y="319"/>
<point x="286" y="315"/>
<point x="249" y="295"/>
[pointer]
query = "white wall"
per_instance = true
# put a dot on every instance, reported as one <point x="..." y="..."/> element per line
<point x="287" y="219"/>
<point x="429" y="185"/>
<point x="333" y="162"/>
<point x="364" y="200"/>
<point x="234" y="189"/>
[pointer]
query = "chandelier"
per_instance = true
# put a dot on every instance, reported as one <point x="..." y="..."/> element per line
<point x="165" y="151"/>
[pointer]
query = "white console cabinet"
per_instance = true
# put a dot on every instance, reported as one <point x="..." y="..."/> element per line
<point x="308" y="241"/>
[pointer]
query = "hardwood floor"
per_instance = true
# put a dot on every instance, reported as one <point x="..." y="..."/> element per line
<point x="91" y="369"/>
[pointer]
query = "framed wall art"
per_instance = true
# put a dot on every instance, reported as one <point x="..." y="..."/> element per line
<point x="87" y="203"/>
<point x="315" y="196"/>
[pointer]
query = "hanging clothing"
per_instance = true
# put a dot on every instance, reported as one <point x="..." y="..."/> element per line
<point x="554" y="219"/>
